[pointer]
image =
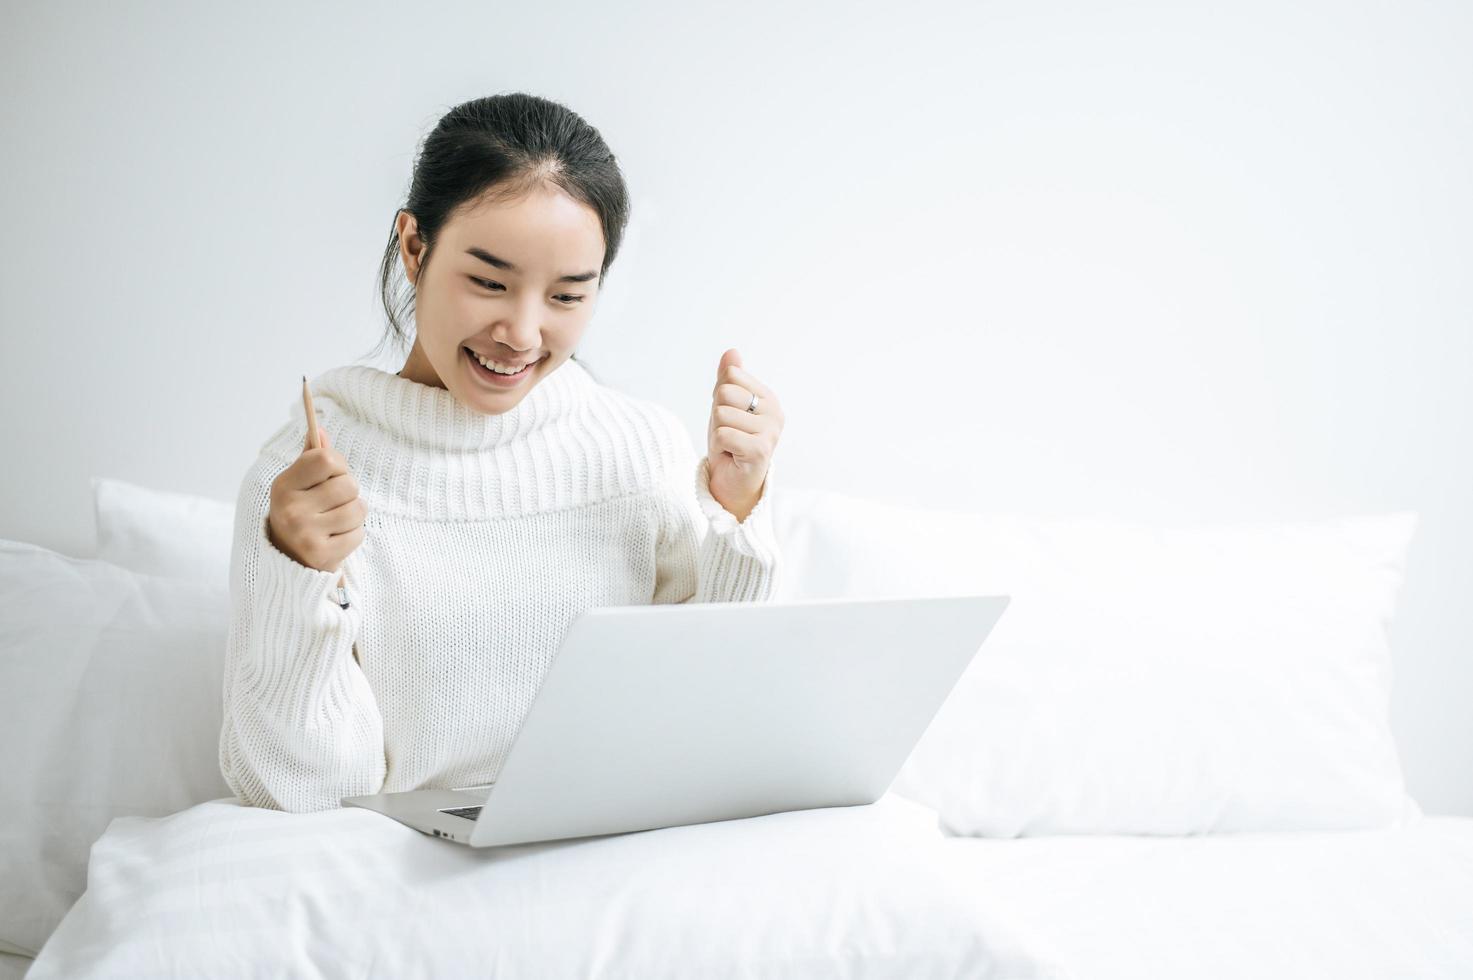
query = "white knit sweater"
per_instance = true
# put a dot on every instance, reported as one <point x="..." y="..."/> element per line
<point x="485" y="536"/>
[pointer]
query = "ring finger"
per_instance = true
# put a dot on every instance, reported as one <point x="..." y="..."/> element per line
<point x="738" y="418"/>
<point x="737" y="397"/>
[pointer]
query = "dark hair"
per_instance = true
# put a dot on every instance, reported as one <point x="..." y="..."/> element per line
<point x="498" y="148"/>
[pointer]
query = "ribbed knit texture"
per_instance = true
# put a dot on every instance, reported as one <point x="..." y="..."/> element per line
<point x="486" y="535"/>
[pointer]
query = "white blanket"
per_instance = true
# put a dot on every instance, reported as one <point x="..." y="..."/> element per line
<point x="1389" y="904"/>
<point x="223" y="890"/>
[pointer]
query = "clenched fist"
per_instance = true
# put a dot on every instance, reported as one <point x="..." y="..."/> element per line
<point x="316" y="516"/>
<point x="740" y="443"/>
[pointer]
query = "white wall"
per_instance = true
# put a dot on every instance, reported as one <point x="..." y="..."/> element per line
<point x="1162" y="261"/>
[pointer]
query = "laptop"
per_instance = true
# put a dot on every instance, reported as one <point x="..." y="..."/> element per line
<point x="665" y="715"/>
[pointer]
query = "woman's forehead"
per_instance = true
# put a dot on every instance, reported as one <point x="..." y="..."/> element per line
<point x="534" y="230"/>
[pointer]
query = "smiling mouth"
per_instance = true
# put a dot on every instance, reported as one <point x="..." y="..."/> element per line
<point x="502" y="361"/>
<point x="495" y="377"/>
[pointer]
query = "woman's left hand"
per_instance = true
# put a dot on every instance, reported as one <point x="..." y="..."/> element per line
<point x="740" y="443"/>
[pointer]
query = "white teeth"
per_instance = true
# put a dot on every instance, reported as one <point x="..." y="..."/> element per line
<point x="496" y="366"/>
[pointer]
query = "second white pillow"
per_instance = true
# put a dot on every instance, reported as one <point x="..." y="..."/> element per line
<point x="163" y="532"/>
<point x="1144" y="680"/>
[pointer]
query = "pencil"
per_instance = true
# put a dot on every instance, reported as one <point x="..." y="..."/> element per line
<point x="315" y="440"/>
<point x="312" y="437"/>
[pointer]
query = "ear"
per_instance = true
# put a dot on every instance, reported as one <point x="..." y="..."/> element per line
<point x="411" y="245"/>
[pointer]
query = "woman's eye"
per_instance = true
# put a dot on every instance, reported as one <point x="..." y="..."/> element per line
<point x="489" y="284"/>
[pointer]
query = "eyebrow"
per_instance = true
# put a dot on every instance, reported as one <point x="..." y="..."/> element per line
<point x="499" y="263"/>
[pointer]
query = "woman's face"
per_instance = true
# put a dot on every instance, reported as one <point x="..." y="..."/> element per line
<point x="514" y="282"/>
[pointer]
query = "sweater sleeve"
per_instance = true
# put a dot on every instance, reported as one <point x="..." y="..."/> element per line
<point x="703" y="553"/>
<point x="301" y="728"/>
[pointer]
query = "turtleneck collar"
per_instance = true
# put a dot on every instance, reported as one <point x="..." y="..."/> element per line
<point x="423" y="416"/>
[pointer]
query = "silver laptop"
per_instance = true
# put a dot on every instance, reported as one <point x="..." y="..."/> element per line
<point x="662" y="715"/>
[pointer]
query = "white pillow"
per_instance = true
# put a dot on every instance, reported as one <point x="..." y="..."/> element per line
<point x="1144" y="680"/>
<point x="163" y="532"/>
<point x="109" y="706"/>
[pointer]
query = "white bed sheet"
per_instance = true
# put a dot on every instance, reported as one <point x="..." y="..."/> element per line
<point x="13" y="966"/>
<point x="225" y="890"/>
<point x="222" y="890"/>
<point x="1335" y="905"/>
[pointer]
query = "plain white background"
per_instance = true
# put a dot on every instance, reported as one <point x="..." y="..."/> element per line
<point x="1160" y="261"/>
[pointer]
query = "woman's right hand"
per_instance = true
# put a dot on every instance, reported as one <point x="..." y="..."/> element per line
<point x="316" y="515"/>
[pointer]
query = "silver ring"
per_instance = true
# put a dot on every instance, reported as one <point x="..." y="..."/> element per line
<point x="753" y="407"/>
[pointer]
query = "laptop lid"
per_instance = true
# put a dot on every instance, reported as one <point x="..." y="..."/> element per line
<point x="662" y="715"/>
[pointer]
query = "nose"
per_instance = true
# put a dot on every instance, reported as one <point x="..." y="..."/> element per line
<point x="521" y="329"/>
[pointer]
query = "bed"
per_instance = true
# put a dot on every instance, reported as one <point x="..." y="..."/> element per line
<point x="1347" y="904"/>
<point x="1170" y="759"/>
<point x="222" y="890"/>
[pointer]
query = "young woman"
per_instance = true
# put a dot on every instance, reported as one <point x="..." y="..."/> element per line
<point x="475" y="502"/>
